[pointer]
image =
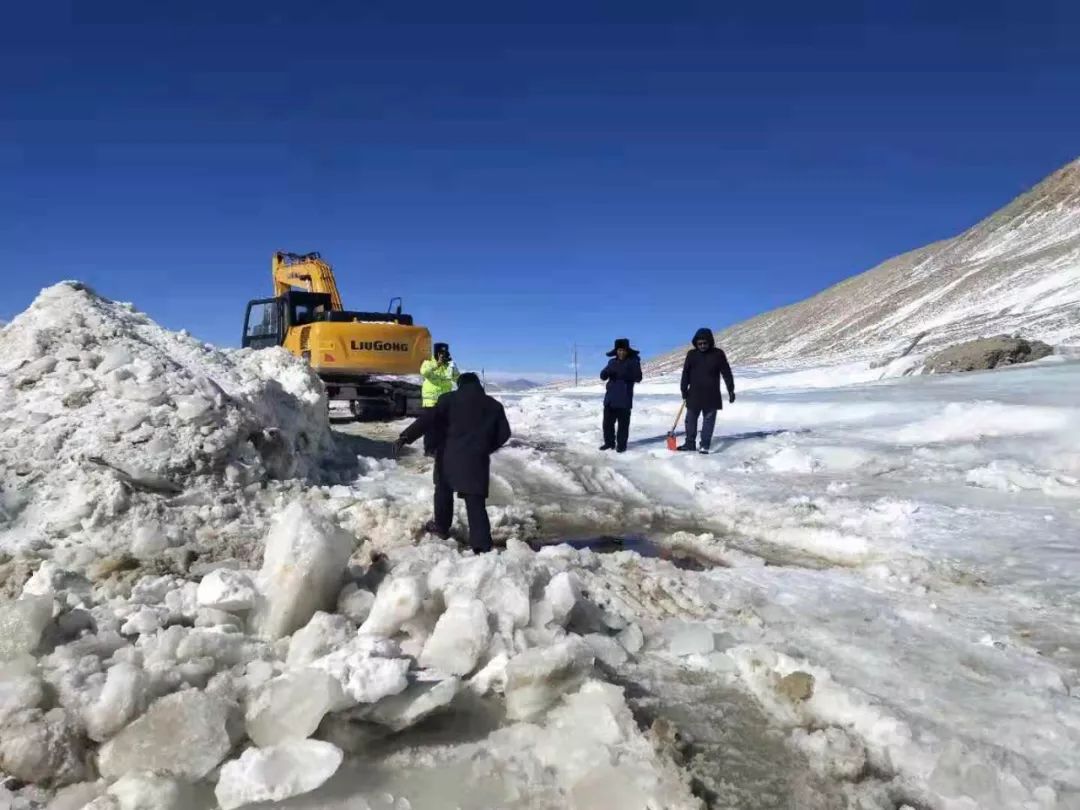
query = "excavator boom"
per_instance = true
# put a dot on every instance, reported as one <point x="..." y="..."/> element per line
<point x="307" y="271"/>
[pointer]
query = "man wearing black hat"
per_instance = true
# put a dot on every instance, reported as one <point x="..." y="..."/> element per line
<point x="621" y="372"/>
<point x="467" y="426"/>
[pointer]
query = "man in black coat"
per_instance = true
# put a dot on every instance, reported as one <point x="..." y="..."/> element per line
<point x="467" y="427"/>
<point x="705" y="365"/>
<point x="621" y="372"/>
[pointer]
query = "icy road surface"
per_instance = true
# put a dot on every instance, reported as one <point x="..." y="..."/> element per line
<point x="913" y="544"/>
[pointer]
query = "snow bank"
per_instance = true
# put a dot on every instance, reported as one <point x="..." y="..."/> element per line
<point x="117" y="435"/>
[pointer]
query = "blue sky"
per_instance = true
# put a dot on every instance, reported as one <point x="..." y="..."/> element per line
<point x="526" y="175"/>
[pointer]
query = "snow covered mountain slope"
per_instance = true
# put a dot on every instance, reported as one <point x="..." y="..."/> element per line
<point x="1016" y="271"/>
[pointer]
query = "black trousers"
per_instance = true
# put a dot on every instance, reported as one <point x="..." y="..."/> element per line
<point x="475" y="508"/>
<point x="621" y="418"/>
<point x="429" y="433"/>
<point x="708" y="424"/>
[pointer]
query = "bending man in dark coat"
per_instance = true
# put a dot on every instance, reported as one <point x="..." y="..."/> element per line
<point x="705" y="365"/>
<point x="621" y="372"/>
<point x="467" y="427"/>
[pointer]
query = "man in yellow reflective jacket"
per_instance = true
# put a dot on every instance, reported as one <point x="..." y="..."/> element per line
<point x="439" y="375"/>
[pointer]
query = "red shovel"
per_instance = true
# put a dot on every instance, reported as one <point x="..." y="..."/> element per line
<point x="671" y="443"/>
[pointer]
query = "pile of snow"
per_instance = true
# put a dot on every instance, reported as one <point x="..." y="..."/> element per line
<point x="117" y="436"/>
<point x="248" y="683"/>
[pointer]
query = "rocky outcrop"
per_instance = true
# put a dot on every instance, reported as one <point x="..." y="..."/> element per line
<point x="986" y="353"/>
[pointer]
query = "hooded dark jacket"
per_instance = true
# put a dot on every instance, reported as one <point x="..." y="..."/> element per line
<point x="621" y="376"/>
<point x="701" y="375"/>
<point x="468" y="426"/>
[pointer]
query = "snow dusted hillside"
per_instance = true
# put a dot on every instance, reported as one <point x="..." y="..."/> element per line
<point x="1016" y="271"/>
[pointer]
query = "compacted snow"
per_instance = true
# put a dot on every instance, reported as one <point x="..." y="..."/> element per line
<point x="863" y="598"/>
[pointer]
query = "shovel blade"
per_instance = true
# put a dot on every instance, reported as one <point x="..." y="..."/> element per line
<point x="671" y="445"/>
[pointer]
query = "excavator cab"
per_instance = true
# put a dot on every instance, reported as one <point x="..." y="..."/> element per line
<point x="267" y="320"/>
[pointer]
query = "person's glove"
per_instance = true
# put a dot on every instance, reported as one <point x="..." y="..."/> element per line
<point x="399" y="444"/>
<point x="731" y="396"/>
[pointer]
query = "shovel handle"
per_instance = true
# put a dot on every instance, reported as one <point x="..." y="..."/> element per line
<point x="678" y="416"/>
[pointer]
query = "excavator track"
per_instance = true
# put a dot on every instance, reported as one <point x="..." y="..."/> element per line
<point x="373" y="399"/>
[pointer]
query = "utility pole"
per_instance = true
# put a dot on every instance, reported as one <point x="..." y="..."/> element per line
<point x="574" y="357"/>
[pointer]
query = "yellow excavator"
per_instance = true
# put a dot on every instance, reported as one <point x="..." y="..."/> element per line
<point x="360" y="356"/>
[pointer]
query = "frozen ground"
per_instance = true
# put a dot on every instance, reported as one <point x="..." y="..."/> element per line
<point x="864" y="598"/>
<point x="915" y="544"/>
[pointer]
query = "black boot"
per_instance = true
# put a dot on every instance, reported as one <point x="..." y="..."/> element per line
<point x="686" y="447"/>
<point x="431" y="527"/>
<point x="607" y="447"/>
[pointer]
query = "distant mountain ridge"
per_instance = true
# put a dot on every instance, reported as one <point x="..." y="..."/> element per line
<point x="1017" y="271"/>
<point x="511" y="386"/>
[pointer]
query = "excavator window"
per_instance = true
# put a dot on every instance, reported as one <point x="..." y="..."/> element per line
<point x="305" y="307"/>
<point x="262" y="324"/>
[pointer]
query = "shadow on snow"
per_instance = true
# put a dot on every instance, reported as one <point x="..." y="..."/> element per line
<point x="721" y="443"/>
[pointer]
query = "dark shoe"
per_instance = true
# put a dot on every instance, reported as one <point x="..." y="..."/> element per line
<point x="686" y="448"/>
<point x="620" y="450"/>
<point x="703" y="450"/>
<point x="431" y="527"/>
<point x="607" y="447"/>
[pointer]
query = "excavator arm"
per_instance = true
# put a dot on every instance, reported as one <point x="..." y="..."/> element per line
<point x="308" y="272"/>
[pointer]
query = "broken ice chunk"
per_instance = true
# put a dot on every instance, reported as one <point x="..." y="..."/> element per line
<point x="290" y="707"/>
<point x="20" y="686"/>
<point x="325" y="632"/>
<point x="148" y="541"/>
<point x="631" y="638"/>
<point x="192" y="408"/>
<point x="304" y="562"/>
<point x="73" y="797"/>
<point x="52" y="580"/>
<point x="396" y="602"/>
<point x="537" y="678"/>
<point x="150" y="791"/>
<point x="144" y="621"/>
<point x="607" y="650"/>
<point x="364" y="671"/>
<point x="414" y="704"/>
<point x="276" y="773"/>
<point x="211" y="617"/>
<point x="182" y="734"/>
<point x="122" y="697"/>
<point x="22" y="623"/>
<point x="42" y="748"/>
<point x="691" y="639"/>
<point x="355" y="603"/>
<point x="609" y="786"/>
<point x="459" y="639"/>
<point x="492" y="677"/>
<point x="562" y="594"/>
<point x="113" y="358"/>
